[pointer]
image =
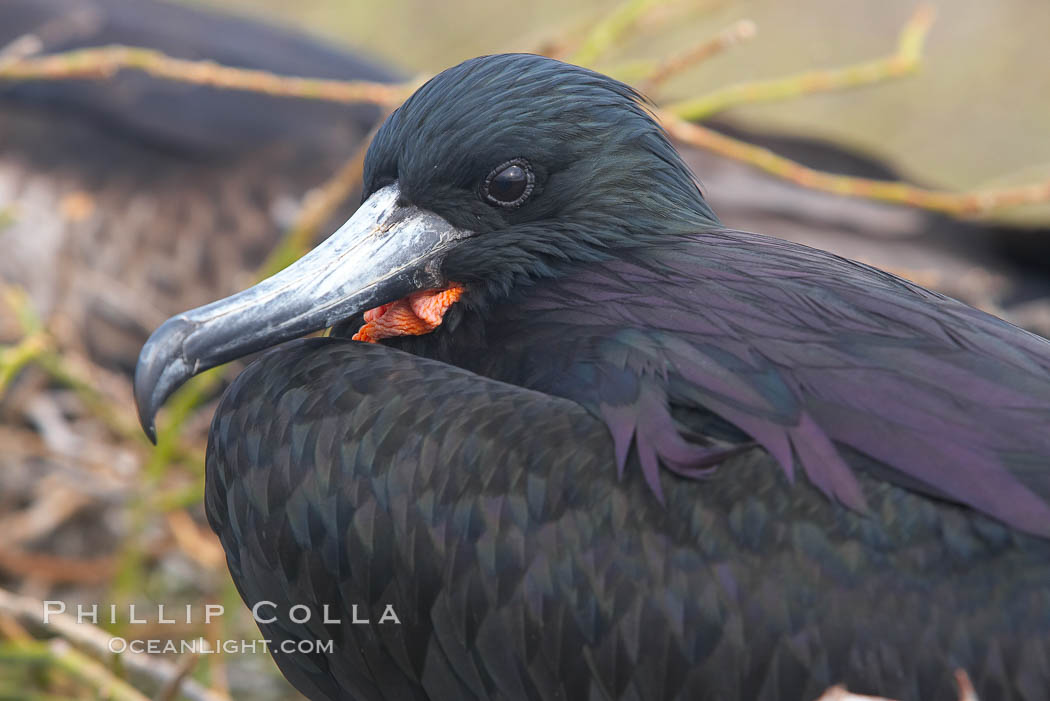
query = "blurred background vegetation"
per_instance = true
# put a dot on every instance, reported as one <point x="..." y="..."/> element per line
<point x="126" y="198"/>
<point x="976" y="115"/>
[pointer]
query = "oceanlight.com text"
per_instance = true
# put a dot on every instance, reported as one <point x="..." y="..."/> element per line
<point x="201" y="646"/>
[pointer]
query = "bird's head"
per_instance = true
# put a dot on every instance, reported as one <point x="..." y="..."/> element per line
<point x="499" y="170"/>
<point x="541" y="160"/>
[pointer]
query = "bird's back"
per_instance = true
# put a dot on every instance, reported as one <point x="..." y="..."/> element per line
<point x="832" y="366"/>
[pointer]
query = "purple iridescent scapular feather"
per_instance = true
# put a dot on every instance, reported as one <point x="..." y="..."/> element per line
<point x="810" y="355"/>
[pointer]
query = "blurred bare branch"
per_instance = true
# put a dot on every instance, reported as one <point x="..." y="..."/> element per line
<point x="960" y="204"/>
<point x="611" y="30"/>
<point x="105" y="61"/>
<point x="904" y="60"/>
<point x="730" y="36"/>
<point x="677" y="117"/>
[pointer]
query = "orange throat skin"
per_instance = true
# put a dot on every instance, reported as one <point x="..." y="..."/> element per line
<point x="419" y="313"/>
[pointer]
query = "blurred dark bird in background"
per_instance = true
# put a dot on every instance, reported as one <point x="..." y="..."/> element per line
<point x="139" y="197"/>
<point x="639" y="456"/>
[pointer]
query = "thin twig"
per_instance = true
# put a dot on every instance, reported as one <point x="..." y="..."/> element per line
<point x="903" y="61"/>
<point x="728" y="37"/>
<point x="611" y="30"/>
<point x="959" y="204"/>
<point x="105" y="61"/>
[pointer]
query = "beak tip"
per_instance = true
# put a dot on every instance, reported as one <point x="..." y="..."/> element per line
<point x="160" y="370"/>
<point x="146" y="386"/>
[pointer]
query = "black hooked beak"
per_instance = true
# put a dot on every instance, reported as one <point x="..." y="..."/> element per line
<point x="384" y="252"/>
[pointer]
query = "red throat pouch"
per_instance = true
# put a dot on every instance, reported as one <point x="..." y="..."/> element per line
<point x="419" y="313"/>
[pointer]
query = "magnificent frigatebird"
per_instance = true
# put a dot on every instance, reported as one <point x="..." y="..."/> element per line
<point x="637" y="456"/>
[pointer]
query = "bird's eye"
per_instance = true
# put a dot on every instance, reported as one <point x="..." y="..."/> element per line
<point x="509" y="184"/>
